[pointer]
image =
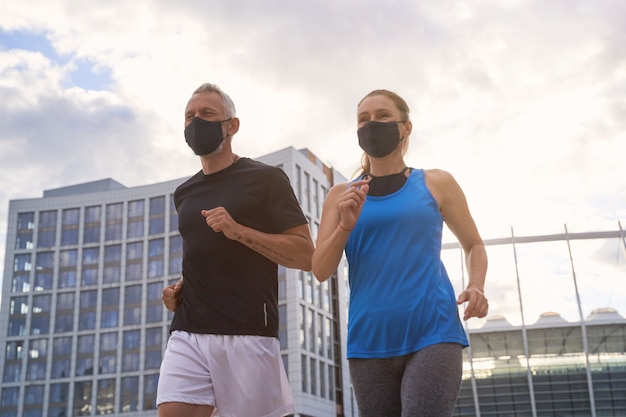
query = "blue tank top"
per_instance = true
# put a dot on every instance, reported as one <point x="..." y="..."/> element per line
<point x="401" y="299"/>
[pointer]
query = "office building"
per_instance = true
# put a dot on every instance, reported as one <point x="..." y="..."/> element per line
<point x="82" y="323"/>
<point x="547" y="368"/>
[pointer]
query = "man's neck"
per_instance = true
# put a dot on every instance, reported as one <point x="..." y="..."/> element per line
<point x="215" y="163"/>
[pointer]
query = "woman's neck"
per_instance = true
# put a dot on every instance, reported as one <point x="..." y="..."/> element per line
<point x="379" y="167"/>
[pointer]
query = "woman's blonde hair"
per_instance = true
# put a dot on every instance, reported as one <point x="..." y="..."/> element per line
<point x="404" y="116"/>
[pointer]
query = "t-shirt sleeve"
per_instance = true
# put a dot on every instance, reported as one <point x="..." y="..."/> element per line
<point x="283" y="207"/>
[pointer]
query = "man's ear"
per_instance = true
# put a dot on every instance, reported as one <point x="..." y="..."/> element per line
<point x="233" y="126"/>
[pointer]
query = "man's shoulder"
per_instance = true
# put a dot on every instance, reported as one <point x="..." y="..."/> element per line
<point x="190" y="180"/>
<point x="255" y="164"/>
<point x="261" y="168"/>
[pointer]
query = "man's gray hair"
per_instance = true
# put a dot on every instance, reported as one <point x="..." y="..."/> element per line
<point x="229" y="106"/>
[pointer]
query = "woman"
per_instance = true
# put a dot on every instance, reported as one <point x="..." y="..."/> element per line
<point x="405" y="337"/>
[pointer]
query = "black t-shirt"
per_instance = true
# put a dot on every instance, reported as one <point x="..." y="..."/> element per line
<point x="229" y="288"/>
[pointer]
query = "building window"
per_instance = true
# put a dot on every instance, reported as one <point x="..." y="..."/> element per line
<point x="298" y="185"/>
<point x="173" y="215"/>
<point x="328" y="338"/>
<point x="40" y="320"/>
<point x="282" y="282"/>
<point x="310" y="326"/>
<point x="316" y="199"/>
<point x="15" y="350"/>
<point x="61" y="356"/>
<point x="43" y="271"/>
<point x="21" y="283"/>
<point x="82" y="399"/>
<point x="22" y="263"/>
<point x="12" y="372"/>
<point x="68" y="260"/>
<point x="149" y="391"/>
<point x="134" y="261"/>
<point x="157" y="215"/>
<point x="282" y="326"/>
<point x="46" y="234"/>
<point x="91" y="226"/>
<point x="132" y="305"/>
<point x="88" y="305"/>
<point x="108" y="353"/>
<point x="301" y="327"/>
<point x="33" y="395"/>
<point x="10" y="397"/>
<point x="64" y="321"/>
<point x="70" y="220"/>
<point x="176" y="255"/>
<point x="135" y="218"/>
<point x="313" y="371"/>
<point x="21" y="273"/>
<point x="319" y="331"/>
<point x="85" y="348"/>
<point x="307" y="194"/>
<point x="18" y="308"/>
<point x="130" y="350"/>
<point x="105" y="396"/>
<point x="25" y="228"/>
<point x="110" y="307"/>
<point x="112" y="264"/>
<point x="114" y="220"/>
<point x="322" y="380"/>
<point x="36" y="366"/>
<point x="13" y="364"/>
<point x="154" y="337"/>
<point x="132" y="294"/>
<point x="129" y="394"/>
<point x="154" y="307"/>
<point x="155" y="258"/>
<point x="91" y="258"/>
<point x="305" y="375"/>
<point x="59" y="396"/>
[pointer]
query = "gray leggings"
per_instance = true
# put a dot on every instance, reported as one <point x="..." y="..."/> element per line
<point x="421" y="384"/>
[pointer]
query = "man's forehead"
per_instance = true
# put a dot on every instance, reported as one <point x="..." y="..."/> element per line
<point x="207" y="100"/>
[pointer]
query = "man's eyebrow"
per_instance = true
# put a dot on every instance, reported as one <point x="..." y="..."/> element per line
<point x="202" y="110"/>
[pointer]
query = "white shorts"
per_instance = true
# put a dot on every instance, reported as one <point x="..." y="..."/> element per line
<point x="242" y="376"/>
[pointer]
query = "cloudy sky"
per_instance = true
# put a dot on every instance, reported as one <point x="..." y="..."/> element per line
<point x="523" y="101"/>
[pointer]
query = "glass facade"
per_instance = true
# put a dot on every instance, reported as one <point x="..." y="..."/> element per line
<point x="570" y="363"/>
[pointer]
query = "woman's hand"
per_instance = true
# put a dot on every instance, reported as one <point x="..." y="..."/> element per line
<point x="350" y="203"/>
<point x="477" y="303"/>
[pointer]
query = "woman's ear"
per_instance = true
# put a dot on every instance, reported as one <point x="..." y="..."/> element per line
<point x="406" y="131"/>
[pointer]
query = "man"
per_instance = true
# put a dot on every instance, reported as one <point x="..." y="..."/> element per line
<point x="238" y="219"/>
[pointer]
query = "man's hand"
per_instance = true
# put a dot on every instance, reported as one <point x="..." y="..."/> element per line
<point x="171" y="295"/>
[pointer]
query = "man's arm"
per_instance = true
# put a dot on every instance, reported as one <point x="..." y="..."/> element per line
<point x="292" y="248"/>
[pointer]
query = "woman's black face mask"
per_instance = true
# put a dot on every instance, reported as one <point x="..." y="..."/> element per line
<point x="203" y="136"/>
<point x="379" y="139"/>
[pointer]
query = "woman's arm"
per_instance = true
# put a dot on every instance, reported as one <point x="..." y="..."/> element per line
<point x="456" y="214"/>
<point x="342" y="208"/>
